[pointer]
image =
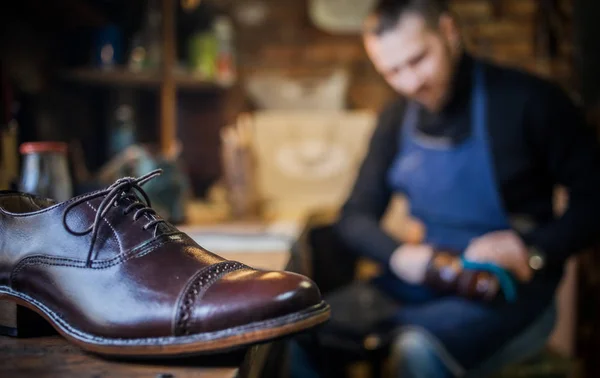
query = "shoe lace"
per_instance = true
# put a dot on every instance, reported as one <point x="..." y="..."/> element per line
<point x="123" y="188"/>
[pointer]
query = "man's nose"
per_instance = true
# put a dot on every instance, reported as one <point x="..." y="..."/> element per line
<point x="410" y="82"/>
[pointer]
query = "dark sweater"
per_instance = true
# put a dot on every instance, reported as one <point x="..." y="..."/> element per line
<point x="538" y="141"/>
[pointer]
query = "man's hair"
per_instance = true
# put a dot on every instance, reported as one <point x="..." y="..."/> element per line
<point x="389" y="12"/>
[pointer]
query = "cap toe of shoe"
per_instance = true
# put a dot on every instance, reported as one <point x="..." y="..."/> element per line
<point x="248" y="296"/>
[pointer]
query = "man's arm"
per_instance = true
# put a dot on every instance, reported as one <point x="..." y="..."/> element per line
<point x="569" y="151"/>
<point x="359" y="223"/>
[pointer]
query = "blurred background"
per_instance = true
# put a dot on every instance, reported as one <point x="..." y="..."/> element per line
<point x="256" y="110"/>
<point x="76" y="70"/>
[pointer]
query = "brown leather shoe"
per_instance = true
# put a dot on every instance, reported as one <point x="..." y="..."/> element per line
<point x="445" y="273"/>
<point x="114" y="278"/>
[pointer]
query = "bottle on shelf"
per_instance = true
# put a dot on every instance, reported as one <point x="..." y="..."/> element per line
<point x="225" y="59"/>
<point x="211" y="52"/>
<point x="45" y="170"/>
<point x="146" y="50"/>
<point x="202" y="48"/>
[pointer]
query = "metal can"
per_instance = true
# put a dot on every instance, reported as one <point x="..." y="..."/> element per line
<point x="45" y="170"/>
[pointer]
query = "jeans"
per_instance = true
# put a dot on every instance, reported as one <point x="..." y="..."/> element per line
<point x="417" y="354"/>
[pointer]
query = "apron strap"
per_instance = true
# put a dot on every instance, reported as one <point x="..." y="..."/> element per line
<point x="409" y="122"/>
<point x="479" y="103"/>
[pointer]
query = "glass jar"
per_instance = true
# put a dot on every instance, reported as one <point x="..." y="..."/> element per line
<point x="45" y="170"/>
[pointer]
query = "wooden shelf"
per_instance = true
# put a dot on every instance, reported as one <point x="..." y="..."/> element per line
<point x="168" y="80"/>
<point x="115" y="77"/>
<point x="125" y="78"/>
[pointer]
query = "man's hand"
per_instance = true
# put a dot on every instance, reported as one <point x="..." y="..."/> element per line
<point x="503" y="248"/>
<point x="409" y="262"/>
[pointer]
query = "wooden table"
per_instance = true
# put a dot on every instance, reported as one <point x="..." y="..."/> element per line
<point x="54" y="357"/>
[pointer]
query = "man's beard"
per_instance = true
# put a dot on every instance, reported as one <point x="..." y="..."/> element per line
<point x="454" y="57"/>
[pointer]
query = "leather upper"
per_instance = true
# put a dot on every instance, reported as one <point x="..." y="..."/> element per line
<point x="139" y="281"/>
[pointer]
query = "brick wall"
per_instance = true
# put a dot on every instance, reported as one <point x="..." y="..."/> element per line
<point x="287" y="42"/>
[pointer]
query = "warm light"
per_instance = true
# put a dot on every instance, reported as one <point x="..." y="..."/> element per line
<point x="190" y="4"/>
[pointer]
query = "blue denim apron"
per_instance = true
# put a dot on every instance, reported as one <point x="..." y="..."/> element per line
<point x="453" y="191"/>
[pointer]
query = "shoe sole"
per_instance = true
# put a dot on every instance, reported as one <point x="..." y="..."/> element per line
<point x="171" y="346"/>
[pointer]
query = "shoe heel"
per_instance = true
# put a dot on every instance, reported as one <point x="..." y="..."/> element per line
<point x="19" y="321"/>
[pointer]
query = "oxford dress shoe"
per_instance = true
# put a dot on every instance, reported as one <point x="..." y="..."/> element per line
<point x="113" y="277"/>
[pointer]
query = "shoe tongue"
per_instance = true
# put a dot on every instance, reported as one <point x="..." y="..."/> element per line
<point x="165" y="228"/>
<point x="161" y="228"/>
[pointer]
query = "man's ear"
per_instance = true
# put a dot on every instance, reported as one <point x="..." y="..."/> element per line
<point x="449" y="28"/>
<point x="370" y="24"/>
